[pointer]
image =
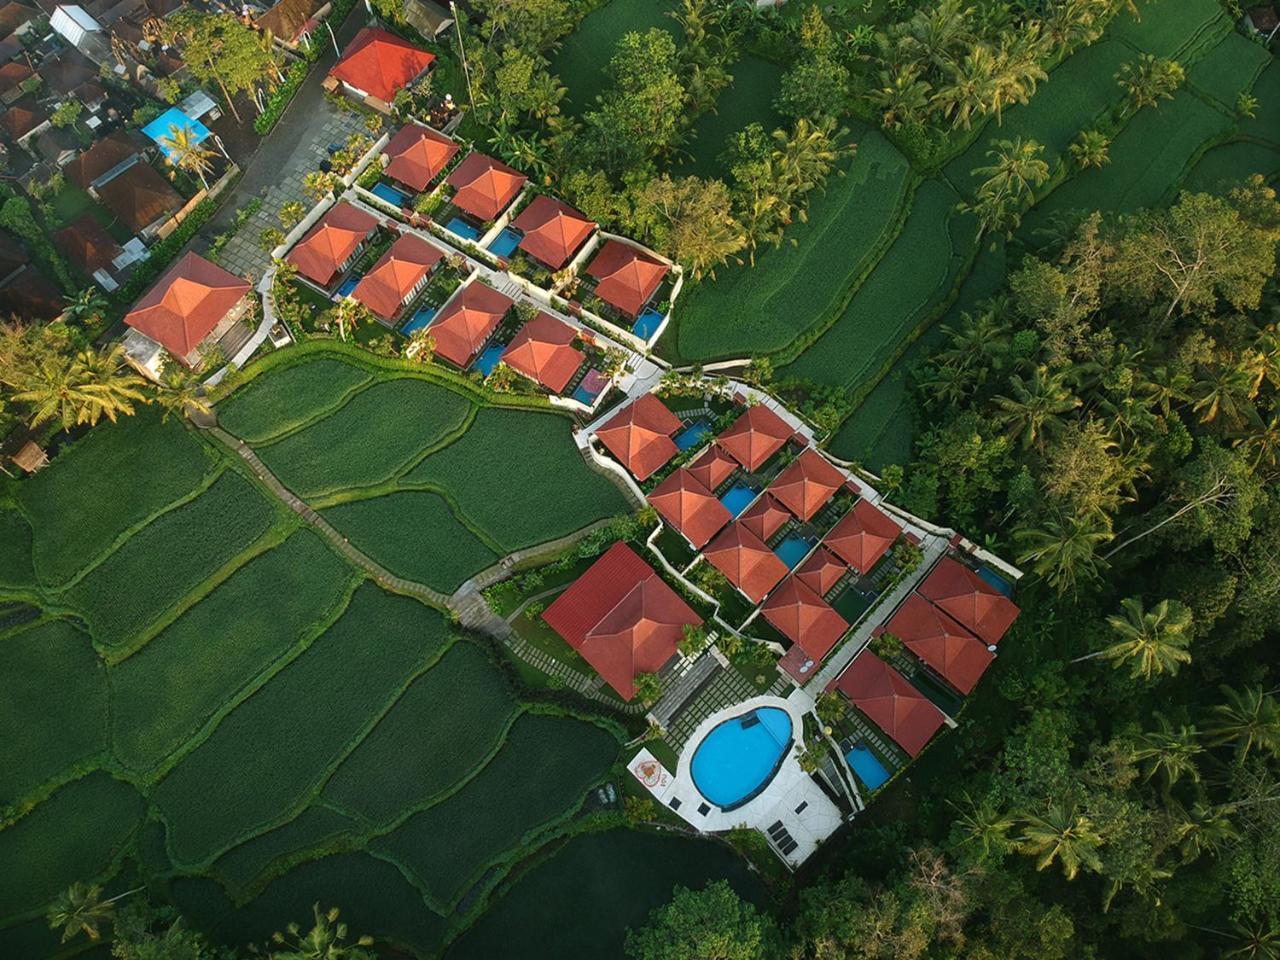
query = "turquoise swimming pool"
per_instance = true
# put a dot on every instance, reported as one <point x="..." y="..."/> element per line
<point x="647" y="323"/>
<point x="793" y="548"/>
<point x="738" y="758"/>
<point x="505" y="242"/>
<point x="867" y="766"/>
<point x="385" y="191"/>
<point x="462" y="229"/>
<point x="737" y="498"/>
<point x="693" y="435"/>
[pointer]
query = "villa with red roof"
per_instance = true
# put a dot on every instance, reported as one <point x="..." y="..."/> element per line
<point x="822" y="571"/>
<point x="640" y="434"/>
<point x="332" y="245"/>
<point x="755" y="436"/>
<point x="747" y="563"/>
<point x="807" y="484"/>
<point x="804" y="618"/>
<point x="484" y="187"/>
<point x="377" y="65"/>
<point x="417" y="155"/>
<point x="193" y="303"/>
<point x="970" y="600"/>
<point x="626" y="277"/>
<point x="464" y="324"/>
<point x="683" y="502"/>
<point x="765" y="517"/>
<point x="713" y="467"/>
<point x="553" y="231"/>
<point x="862" y="536"/>
<point x="543" y="351"/>
<point x="951" y="650"/>
<point x="622" y="617"/>
<point x="893" y="704"/>
<point x="398" y="276"/>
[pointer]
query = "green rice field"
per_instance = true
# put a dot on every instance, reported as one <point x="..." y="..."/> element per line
<point x="1229" y="69"/>
<point x="272" y="406"/>
<point x="581" y="60"/>
<point x="15" y="549"/>
<point x="748" y="100"/>
<point x="1220" y="166"/>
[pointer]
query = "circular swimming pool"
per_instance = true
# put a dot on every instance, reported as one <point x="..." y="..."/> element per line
<point x="738" y="758"/>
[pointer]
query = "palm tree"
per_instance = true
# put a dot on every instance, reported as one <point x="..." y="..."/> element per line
<point x="1011" y="180"/>
<point x="972" y="87"/>
<point x="1225" y="389"/>
<point x="1063" y="834"/>
<point x="1204" y="829"/>
<point x="1150" y="80"/>
<point x="983" y="825"/>
<point x="1249" y="719"/>
<point x="185" y="152"/>
<point x="1256" y="940"/>
<point x="1153" y="642"/>
<point x="1065" y="550"/>
<point x="979" y="340"/>
<point x="81" y="909"/>
<point x="1169" y="751"/>
<point x="1168" y="386"/>
<point x="935" y="32"/>
<point x="349" y="314"/>
<point x="1262" y="441"/>
<point x="80" y="389"/>
<point x="326" y="940"/>
<point x="421" y="346"/>
<point x="1092" y="148"/>
<point x="1036" y="407"/>
<point x="88" y="304"/>
<point x="902" y="97"/>
<point x="181" y="391"/>
<point x="804" y="156"/>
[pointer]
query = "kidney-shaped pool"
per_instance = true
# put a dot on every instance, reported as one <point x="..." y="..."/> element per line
<point x="738" y="758"/>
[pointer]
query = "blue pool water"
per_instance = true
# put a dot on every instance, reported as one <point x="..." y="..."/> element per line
<point x="385" y="191"/>
<point x="463" y="229"/>
<point x="793" y="548"/>
<point x="348" y="285"/>
<point x="505" y="242"/>
<point x="996" y="581"/>
<point x="647" y="323"/>
<point x="867" y="766"/>
<point x="488" y="358"/>
<point x="692" y="435"/>
<point x="590" y="387"/>
<point x="422" y="317"/>
<point x="737" y="498"/>
<point x="739" y="757"/>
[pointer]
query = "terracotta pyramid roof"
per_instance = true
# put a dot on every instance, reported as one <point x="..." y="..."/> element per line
<point x="484" y="186"/>
<point x="806" y="485"/>
<point x="862" y="536"/>
<point x="396" y="273"/>
<point x="467" y="321"/>
<point x="689" y="507"/>
<point x="328" y="244"/>
<point x="894" y="705"/>
<point x="750" y="565"/>
<point x="627" y="276"/>
<point x="713" y="467"/>
<point x="418" y="155"/>
<point x="940" y="642"/>
<point x="553" y="231"/>
<point x="969" y="599"/>
<point x="765" y="517"/>
<point x="805" y="618"/>
<point x="755" y="436"/>
<point x="186" y="304"/>
<point x="380" y="63"/>
<point x="639" y="435"/>
<point x="821" y="571"/>
<point x="543" y="351"/>
<point x="622" y="617"/>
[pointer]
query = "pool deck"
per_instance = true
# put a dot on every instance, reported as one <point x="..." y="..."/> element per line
<point x="790" y="790"/>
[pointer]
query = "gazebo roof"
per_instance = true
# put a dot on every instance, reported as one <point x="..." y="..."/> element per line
<point x="755" y="436"/>
<point x="626" y="277"/>
<point x="862" y="536"/>
<point x="384" y="288"/>
<point x="713" y="467"/>
<point x="806" y="485"/>
<point x="418" y="155"/>
<point x="940" y="642"/>
<point x="186" y="304"/>
<point x="743" y="557"/>
<point x="821" y="571"/>
<point x="380" y="63"/>
<point x="893" y="704"/>
<point x="639" y="435"/>
<point x="484" y="186"/>
<point x="689" y="507"/>
<point x="331" y="241"/>
<point x="969" y="599"/>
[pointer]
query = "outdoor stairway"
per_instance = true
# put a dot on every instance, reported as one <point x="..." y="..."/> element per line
<point x="684" y="688"/>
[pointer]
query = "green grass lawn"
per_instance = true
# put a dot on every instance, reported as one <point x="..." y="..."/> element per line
<point x="748" y="100"/>
<point x="581" y="61"/>
<point x="534" y="630"/>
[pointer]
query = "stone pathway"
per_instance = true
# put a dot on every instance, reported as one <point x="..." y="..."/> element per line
<point x="724" y="689"/>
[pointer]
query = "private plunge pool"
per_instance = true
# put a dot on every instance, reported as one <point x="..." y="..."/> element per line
<point x="738" y="758"/>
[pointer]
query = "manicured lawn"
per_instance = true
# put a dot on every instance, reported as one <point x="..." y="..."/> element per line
<point x="535" y="631"/>
<point x="586" y="52"/>
<point x="242" y="866"/>
<point x="275" y="403"/>
<point x="748" y="100"/>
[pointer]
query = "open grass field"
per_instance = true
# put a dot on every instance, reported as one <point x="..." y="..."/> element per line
<point x="15" y="549"/>
<point x="49" y="727"/>
<point x="242" y="866"/>
<point x="581" y="60"/>
<point x="270" y="406"/>
<point x="415" y="535"/>
<point x="1229" y="69"/>
<point x="518" y="476"/>
<point x="761" y="308"/>
<point x="748" y="100"/>
<point x="163" y="562"/>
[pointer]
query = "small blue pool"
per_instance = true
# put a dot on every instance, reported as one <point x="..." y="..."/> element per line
<point x="489" y="358"/>
<point x="738" y="758"/>
<point x="348" y="285"/>
<point x="385" y="191"/>
<point x="692" y="435"/>
<point x="647" y="323"/>
<point x="505" y="242"/>
<point x="997" y="581"/>
<point x="463" y="229"/>
<point x="738" y="497"/>
<point x="590" y="387"/>
<point x="867" y="766"/>
<point x="793" y="548"/>
<point x="422" y="317"/>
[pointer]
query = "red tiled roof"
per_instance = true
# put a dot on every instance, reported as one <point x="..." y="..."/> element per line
<point x="622" y="617"/>
<point x="713" y="467"/>
<point x="87" y="244"/>
<point x="543" y="351"/>
<point x="969" y="599"/>
<point x="139" y="197"/>
<point x="105" y="154"/>
<point x="690" y="507"/>
<point x="396" y="273"/>
<point x="328" y="244"/>
<point x="821" y="571"/>
<point x="862" y="536"/>
<point x="12" y="74"/>
<point x="23" y="117"/>
<point x="755" y="436"/>
<point x="742" y="557"/>
<point x="380" y="63"/>
<point x="626" y="276"/>
<point x="467" y="321"/>
<point x="639" y="435"/>
<point x="805" y="618"/>
<point x="186" y="304"/>
<point x="765" y="517"/>
<point x="940" y="642"/>
<point x="484" y="186"/>
<point x="806" y="485"/>
<point x="418" y="155"/>
<point x="896" y="707"/>
<point x="553" y="231"/>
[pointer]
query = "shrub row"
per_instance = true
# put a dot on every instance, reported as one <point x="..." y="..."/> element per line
<point x="294" y="77"/>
